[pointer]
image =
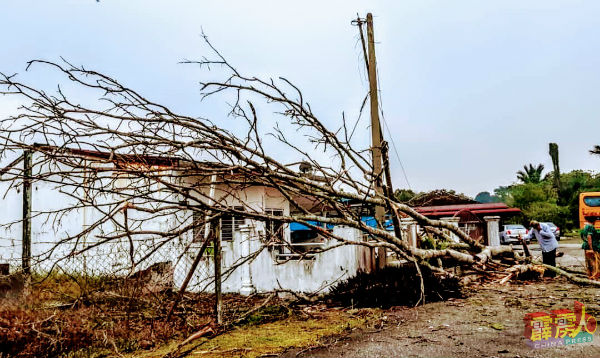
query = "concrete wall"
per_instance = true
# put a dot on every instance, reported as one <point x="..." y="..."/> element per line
<point x="266" y="272"/>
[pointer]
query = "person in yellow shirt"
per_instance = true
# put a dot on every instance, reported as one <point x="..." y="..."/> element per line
<point x="591" y="245"/>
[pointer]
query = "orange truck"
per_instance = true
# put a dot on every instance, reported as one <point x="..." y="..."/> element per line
<point x="589" y="205"/>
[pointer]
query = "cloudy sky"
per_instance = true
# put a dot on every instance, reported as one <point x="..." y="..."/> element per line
<point x="471" y="90"/>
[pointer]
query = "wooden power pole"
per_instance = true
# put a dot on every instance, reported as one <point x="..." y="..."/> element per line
<point x="380" y="145"/>
<point x="375" y="125"/>
<point x="375" y="129"/>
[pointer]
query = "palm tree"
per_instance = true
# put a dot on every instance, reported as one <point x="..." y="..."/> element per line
<point x="531" y="174"/>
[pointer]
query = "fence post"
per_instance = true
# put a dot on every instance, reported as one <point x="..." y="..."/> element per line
<point x="493" y="230"/>
<point x="26" y="242"/>
<point x="244" y="240"/>
<point x="217" y="257"/>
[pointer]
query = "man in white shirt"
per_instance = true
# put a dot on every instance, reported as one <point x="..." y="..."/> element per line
<point x="548" y="243"/>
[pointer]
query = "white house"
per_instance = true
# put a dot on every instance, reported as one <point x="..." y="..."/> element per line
<point x="272" y="267"/>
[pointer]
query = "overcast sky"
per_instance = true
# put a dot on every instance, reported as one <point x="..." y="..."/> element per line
<point x="471" y="90"/>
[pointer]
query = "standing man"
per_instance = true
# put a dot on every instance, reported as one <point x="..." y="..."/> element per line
<point x="547" y="242"/>
<point x="591" y="245"/>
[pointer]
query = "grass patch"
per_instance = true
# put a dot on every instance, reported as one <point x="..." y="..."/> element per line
<point x="267" y="314"/>
<point x="274" y="337"/>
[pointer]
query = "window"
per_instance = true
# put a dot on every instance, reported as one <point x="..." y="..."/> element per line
<point x="230" y="223"/>
<point x="592" y="201"/>
<point x="274" y="229"/>
<point x="301" y="241"/>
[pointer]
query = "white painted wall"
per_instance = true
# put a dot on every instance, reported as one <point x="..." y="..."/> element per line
<point x="267" y="274"/>
<point x="113" y="257"/>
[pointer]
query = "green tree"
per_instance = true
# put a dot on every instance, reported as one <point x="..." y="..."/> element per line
<point x="404" y="195"/>
<point x="547" y="211"/>
<point x="503" y="193"/>
<point x="522" y="195"/>
<point x="572" y="184"/>
<point x="531" y="174"/>
<point x="540" y="201"/>
<point x="486" y="197"/>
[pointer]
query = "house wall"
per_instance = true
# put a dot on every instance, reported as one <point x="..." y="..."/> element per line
<point x="46" y="230"/>
<point x="308" y="275"/>
<point x="10" y="237"/>
<point x="266" y="273"/>
<point x="114" y="258"/>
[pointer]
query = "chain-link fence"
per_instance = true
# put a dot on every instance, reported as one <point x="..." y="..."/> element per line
<point x="74" y="300"/>
<point x="115" y="258"/>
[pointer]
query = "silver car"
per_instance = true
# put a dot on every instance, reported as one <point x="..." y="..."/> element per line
<point x="510" y="233"/>
<point x="555" y="229"/>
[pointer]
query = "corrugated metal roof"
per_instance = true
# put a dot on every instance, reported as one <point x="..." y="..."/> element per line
<point x="480" y="208"/>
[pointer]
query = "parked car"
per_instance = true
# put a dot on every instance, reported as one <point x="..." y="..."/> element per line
<point x="510" y="233"/>
<point x="555" y="229"/>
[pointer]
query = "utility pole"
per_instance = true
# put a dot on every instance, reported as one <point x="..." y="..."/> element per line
<point x="375" y="125"/>
<point x="375" y="129"/>
<point x="26" y="240"/>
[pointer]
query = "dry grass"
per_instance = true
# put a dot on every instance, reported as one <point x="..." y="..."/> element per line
<point x="300" y="330"/>
<point x="65" y="316"/>
<point x="96" y="317"/>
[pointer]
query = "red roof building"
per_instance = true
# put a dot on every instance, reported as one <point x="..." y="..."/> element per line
<point x="479" y="209"/>
<point x="472" y="218"/>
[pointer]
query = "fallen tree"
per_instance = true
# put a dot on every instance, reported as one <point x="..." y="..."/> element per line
<point x="88" y="146"/>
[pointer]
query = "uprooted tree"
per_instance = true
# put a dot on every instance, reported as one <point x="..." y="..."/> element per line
<point x="194" y="171"/>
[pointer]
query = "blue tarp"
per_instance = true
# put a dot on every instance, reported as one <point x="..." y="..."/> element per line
<point x="300" y="227"/>
<point x="369" y="220"/>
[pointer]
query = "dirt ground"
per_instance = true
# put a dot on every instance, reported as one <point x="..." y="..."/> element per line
<point x="487" y="323"/>
<point x="464" y="327"/>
